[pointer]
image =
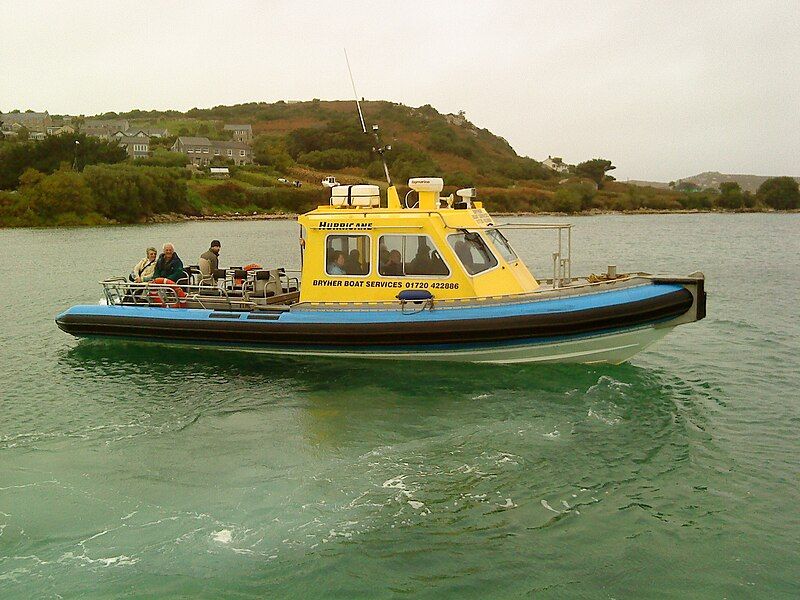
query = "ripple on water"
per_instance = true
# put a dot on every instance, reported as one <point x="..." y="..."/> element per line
<point x="176" y="472"/>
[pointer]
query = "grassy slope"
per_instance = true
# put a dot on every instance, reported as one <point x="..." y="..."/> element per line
<point x="483" y="158"/>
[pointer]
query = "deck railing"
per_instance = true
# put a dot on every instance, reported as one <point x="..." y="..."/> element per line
<point x="562" y="265"/>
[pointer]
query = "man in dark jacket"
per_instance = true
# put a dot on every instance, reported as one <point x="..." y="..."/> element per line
<point x="169" y="265"/>
<point x="209" y="264"/>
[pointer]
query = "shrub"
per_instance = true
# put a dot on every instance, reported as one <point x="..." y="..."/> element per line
<point x="58" y="193"/>
<point x="129" y="193"/>
<point x="271" y="152"/>
<point x="49" y="155"/>
<point x="228" y="194"/>
<point x="781" y="193"/>
<point x="162" y="158"/>
<point x="567" y="199"/>
<point x="333" y="158"/>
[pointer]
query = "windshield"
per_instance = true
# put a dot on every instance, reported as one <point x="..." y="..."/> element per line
<point x="472" y="251"/>
<point x="501" y="243"/>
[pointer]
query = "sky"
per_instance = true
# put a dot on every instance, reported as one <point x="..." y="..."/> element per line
<point x="662" y="89"/>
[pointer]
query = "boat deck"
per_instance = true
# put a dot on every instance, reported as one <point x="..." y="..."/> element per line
<point x="283" y="294"/>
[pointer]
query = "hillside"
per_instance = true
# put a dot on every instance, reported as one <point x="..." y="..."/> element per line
<point x="326" y="136"/>
<point x="74" y="179"/>
<point x="712" y="179"/>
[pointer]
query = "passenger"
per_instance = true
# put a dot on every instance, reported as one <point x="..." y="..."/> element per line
<point x="336" y="266"/>
<point x="169" y="265"/>
<point x="209" y="264"/>
<point x="352" y="266"/>
<point x="394" y="266"/>
<point x="143" y="271"/>
<point x="464" y="255"/>
<point x="383" y="253"/>
<point x="421" y="264"/>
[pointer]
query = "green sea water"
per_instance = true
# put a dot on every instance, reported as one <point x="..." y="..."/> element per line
<point x="155" y="472"/>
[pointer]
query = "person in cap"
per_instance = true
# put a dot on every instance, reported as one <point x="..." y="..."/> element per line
<point x="209" y="264"/>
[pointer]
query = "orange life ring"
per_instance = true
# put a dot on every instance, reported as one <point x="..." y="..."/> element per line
<point x="158" y="299"/>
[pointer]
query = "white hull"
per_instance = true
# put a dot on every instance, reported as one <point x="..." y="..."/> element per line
<point x="614" y="348"/>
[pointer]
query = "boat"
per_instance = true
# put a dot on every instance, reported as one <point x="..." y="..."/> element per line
<point x="430" y="277"/>
<point x="426" y="278"/>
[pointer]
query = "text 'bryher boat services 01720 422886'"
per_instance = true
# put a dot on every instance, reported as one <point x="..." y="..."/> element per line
<point x="427" y="278"/>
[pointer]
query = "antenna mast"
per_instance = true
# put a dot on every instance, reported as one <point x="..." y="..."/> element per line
<point x="378" y="148"/>
<point x="353" y="81"/>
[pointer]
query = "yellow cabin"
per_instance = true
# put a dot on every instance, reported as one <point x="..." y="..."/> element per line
<point x="354" y="250"/>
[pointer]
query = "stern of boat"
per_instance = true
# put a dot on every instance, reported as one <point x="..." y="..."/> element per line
<point x="695" y="285"/>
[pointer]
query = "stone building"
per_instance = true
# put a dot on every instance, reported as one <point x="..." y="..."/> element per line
<point x="201" y="151"/>
<point x="34" y="122"/>
<point x="241" y="133"/>
<point x="135" y="145"/>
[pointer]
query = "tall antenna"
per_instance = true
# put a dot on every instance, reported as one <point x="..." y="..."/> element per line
<point x="378" y="148"/>
<point x="353" y="81"/>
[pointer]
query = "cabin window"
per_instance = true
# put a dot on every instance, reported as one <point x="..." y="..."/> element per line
<point x="347" y="255"/>
<point x="501" y="243"/>
<point x="401" y="255"/>
<point x="472" y="251"/>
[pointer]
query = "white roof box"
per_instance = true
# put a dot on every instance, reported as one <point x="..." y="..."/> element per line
<point x="356" y="195"/>
<point x="426" y="184"/>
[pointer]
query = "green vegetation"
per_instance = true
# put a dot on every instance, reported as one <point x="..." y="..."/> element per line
<point x="51" y="154"/>
<point x="120" y="193"/>
<point x="595" y="170"/>
<point x="61" y="182"/>
<point x="779" y="192"/>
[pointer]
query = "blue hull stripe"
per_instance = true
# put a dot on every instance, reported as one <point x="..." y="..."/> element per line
<point x="348" y="316"/>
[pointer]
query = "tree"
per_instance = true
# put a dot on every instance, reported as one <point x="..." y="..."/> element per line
<point x="574" y="197"/>
<point x="23" y="133"/>
<point x="161" y="157"/>
<point x="48" y="155"/>
<point x="566" y="199"/>
<point x="271" y="152"/>
<point x="686" y="186"/>
<point x="730" y="195"/>
<point x="595" y="170"/>
<point x="781" y="193"/>
<point x="57" y="194"/>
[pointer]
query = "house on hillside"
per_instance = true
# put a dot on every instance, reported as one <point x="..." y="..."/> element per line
<point x="59" y="129"/>
<point x="241" y="133"/>
<point x="136" y="146"/>
<point x="151" y="132"/>
<point x="112" y="125"/>
<point x="201" y="151"/>
<point x="155" y="132"/>
<point x="106" y="129"/>
<point x="34" y="122"/>
<point x="554" y="163"/>
<point x="103" y="133"/>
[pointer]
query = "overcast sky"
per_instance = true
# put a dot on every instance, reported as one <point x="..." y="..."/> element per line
<point x="663" y="89"/>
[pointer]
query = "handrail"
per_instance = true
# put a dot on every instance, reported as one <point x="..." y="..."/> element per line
<point x="533" y="225"/>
